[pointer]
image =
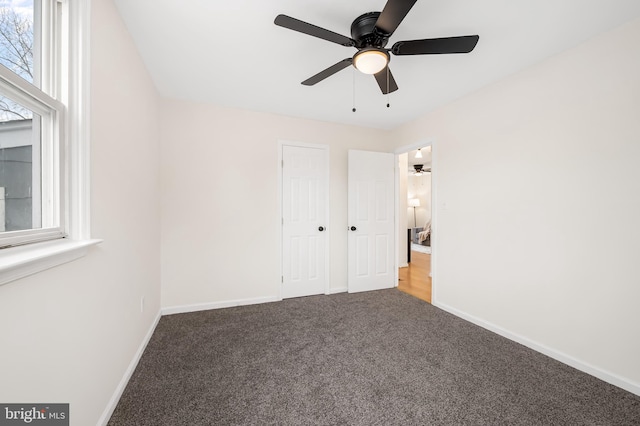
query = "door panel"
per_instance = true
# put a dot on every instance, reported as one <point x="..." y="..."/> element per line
<point x="371" y="213"/>
<point x="304" y="202"/>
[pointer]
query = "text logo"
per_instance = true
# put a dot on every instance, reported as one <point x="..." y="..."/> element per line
<point x="34" y="414"/>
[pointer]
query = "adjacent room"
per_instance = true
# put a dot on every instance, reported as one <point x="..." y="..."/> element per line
<point x="208" y="211"/>
<point x="414" y="276"/>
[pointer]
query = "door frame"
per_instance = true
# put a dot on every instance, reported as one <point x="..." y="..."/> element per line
<point x="280" y="246"/>
<point x="434" y="207"/>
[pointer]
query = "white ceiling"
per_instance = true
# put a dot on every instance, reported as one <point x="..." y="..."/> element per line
<point x="230" y="53"/>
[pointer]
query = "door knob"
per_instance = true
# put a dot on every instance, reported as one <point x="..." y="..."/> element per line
<point x="353" y="228"/>
<point x="321" y="228"/>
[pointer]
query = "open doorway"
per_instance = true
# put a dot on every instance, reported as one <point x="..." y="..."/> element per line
<point x="415" y="197"/>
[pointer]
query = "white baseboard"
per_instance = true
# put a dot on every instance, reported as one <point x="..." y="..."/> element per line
<point x="113" y="402"/>
<point x="182" y="309"/>
<point x="601" y="374"/>
<point x="338" y="290"/>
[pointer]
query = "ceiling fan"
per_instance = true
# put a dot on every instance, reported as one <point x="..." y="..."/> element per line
<point x="418" y="170"/>
<point x="370" y="33"/>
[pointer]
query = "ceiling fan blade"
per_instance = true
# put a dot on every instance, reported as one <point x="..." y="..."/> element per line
<point x="387" y="86"/>
<point x="434" y="46"/>
<point x="328" y="72"/>
<point x="392" y="14"/>
<point x="312" y="30"/>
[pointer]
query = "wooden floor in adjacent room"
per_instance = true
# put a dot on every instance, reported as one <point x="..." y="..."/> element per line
<point x="415" y="279"/>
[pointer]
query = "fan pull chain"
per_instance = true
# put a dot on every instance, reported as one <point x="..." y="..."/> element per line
<point x="388" y="96"/>
<point x="354" y="90"/>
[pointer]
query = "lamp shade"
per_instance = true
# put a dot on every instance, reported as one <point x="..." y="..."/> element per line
<point x="371" y="61"/>
<point x="414" y="202"/>
<point x="419" y="154"/>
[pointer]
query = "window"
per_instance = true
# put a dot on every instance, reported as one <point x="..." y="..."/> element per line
<point x="44" y="177"/>
<point x="31" y="122"/>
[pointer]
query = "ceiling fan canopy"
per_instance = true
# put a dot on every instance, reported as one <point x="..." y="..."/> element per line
<point x="364" y="33"/>
<point x="370" y="33"/>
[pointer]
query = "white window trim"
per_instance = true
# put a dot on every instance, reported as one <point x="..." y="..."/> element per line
<point x="19" y="262"/>
<point x="53" y="226"/>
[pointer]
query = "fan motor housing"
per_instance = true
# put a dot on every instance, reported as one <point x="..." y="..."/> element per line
<point x="363" y="31"/>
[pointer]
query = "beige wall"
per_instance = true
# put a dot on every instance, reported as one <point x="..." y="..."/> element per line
<point x="69" y="333"/>
<point x="537" y="185"/>
<point x="220" y="207"/>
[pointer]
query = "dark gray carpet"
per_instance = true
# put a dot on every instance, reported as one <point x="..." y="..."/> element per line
<point x="377" y="358"/>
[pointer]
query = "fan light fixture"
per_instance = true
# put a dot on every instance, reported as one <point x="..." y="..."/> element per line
<point x="371" y="61"/>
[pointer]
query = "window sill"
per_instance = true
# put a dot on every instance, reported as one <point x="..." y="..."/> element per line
<point x="19" y="262"/>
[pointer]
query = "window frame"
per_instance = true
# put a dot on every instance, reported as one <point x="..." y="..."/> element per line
<point x="52" y="113"/>
<point x="72" y="238"/>
<point x="46" y="99"/>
